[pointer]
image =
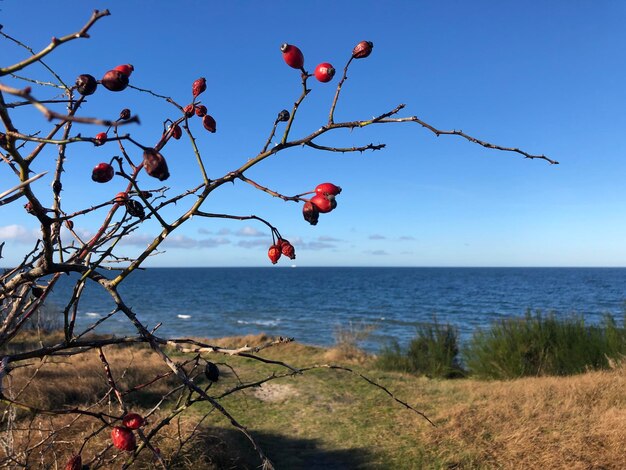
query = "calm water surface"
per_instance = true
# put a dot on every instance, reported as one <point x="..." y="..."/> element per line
<point x="310" y="303"/>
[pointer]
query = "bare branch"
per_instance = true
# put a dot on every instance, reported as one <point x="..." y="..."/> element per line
<point x="56" y="42"/>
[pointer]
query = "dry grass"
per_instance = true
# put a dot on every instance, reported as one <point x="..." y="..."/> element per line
<point x="336" y="419"/>
<point x="574" y="422"/>
<point x="74" y="380"/>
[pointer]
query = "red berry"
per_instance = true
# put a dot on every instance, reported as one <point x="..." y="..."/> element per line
<point x="200" y="110"/>
<point x="198" y="86"/>
<point x="327" y="188"/>
<point x="86" y="84"/>
<point x="125" y="69"/>
<point x="324" y="203"/>
<point x="102" y="173"/>
<point x="189" y="110"/>
<point x="120" y="198"/>
<point x="310" y="213"/>
<point x="74" y="463"/>
<point x="133" y="421"/>
<point x="155" y="164"/>
<point x="274" y="253"/>
<point x="101" y="138"/>
<point x="209" y="123"/>
<point x="287" y="249"/>
<point x="177" y="132"/>
<point x="362" y="49"/>
<point x="114" y="80"/>
<point x="123" y="438"/>
<point x="324" y="72"/>
<point x="292" y="56"/>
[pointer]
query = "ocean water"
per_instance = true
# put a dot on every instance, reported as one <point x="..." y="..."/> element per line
<point x="310" y="304"/>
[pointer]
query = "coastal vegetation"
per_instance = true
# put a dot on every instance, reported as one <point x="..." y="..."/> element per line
<point x="331" y="418"/>
<point x="530" y="346"/>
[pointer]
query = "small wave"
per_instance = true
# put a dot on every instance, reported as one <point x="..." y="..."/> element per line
<point x="259" y="322"/>
<point x="93" y="314"/>
<point x="184" y="317"/>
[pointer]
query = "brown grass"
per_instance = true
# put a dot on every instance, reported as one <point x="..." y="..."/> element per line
<point x="576" y="422"/>
<point x="74" y="380"/>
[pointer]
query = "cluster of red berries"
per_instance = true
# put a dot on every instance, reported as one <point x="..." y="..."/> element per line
<point x="123" y="437"/>
<point x="114" y="80"/>
<point x="198" y="87"/>
<point x="294" y="58"/>
<point x="323" y="202"/>
<point x="281" y="247"/>
<point x="324" y="72"/>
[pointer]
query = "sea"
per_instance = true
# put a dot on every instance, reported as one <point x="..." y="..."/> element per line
<point x="315" y="304"/>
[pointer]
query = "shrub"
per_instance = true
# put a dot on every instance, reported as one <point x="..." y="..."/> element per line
<point x="434" y="352"/>
<point x="544" y="345"/>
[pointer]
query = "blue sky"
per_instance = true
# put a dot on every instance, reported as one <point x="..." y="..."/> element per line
<point x="547" y="77"/>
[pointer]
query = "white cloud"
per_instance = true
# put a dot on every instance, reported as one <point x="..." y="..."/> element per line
<point x="248" y="231"/>
<point x="378" y="253"/>
<point x="377" y="237"/>
<point x="318" y="246"/>
<point x="174" y="241"/>
<point x="11" y="232"/>
<point x="325" y="238"/>
<point x="18" y="233"/>
<point x="255" y="243"/>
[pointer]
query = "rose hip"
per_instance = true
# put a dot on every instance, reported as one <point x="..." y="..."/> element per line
<point x="86" y="84"/>
<point x="327" y="188"/>
<point x="133" y="421"/>
<point x="114" y="80"/>
<point x="200" y="110"/>
<point x="209" y="123"/>
<point x="292" y="56"/>
<point x="198" y="86"/>
<point x="274" y="253"/>
<point x="310" y="213"/>
<point x="324" y="72"/>
<point x="125" y="69"/>
<point x="324" y="203"/>
<point x="155" y="165"/>
<point x="123" y="438"/>
<point x="362" y="49"/>
<point x="102" y="173"/>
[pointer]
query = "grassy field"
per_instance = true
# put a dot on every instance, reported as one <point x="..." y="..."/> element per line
<point x="333" y="419"/>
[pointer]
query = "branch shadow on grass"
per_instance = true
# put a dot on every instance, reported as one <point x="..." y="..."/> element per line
<point x="219" y="448"/>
